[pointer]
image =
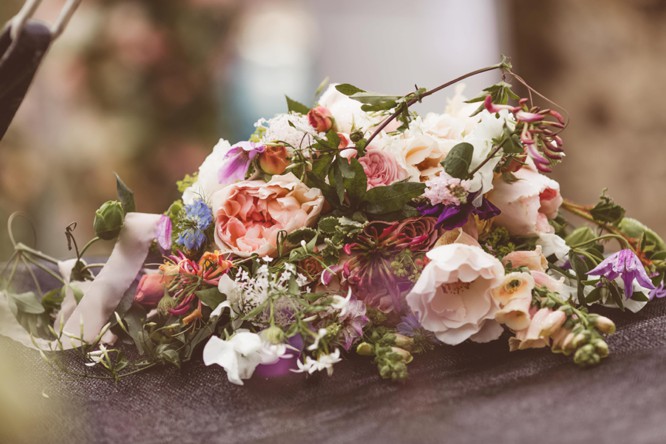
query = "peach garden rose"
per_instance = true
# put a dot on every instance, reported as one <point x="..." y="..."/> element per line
<point x="250" y="214"/>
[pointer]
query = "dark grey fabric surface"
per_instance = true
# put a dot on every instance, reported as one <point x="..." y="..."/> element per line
<point x="467" y="394"/>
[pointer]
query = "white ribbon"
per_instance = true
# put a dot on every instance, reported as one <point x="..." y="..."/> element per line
<point x="105" y="292"/>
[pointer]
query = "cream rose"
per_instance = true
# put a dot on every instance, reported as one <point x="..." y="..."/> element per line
<point x="528" y="203"/>
<point x="452" y="297"/>
<point x="419" y="154"/>
<point x="249" y="214"/>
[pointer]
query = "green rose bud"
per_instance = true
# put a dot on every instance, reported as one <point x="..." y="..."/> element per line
<point x="274" y="335"/>
<point x="109" y="220"/>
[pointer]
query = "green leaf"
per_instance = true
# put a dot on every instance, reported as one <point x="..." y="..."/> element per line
<point x="348" y="90"/>
<point x="457" y="162"/>
<point x="355" y="180"/>
<point x="210" y="297"/>
<point x="594" y="295"/>
<point x="296" y="107"/>
<point x="26" y="303"/>
<point x="328" y="224"/>
<point x="392" y="198"/>
<point x="125" y="195"/>
<point x="635" y="229"/>
<point x="302" y="234"/>
<point x="579" y="236"/>
<point x="607" y="211"/>
<point x="322" y="86"/>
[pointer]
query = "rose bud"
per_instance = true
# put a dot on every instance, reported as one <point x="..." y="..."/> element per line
<point x="150" y="290"/>
<point x="320" y="119"/>
<point x="274" y="159"/>
<point x="109" y="220"/>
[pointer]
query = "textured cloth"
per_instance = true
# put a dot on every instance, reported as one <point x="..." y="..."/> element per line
<point x="466" y="394"/>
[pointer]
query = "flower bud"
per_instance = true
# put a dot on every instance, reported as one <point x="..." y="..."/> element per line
<point x="604" y="325"/>
<point x="552" y="323"/>
<point x="320" y="119"/>
<point x="273" y="334"/>
<point x="109" y="220"/>
<point x="403" y="341"/>
<point x="581" y="339"/>
<point x="365" y="349"/>
<point x="405" y="356"/>
<point x="150" y="290"/>
<point x="601" y="347"/>
<point x="274" y="159"/>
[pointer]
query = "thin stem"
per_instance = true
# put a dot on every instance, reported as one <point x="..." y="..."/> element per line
<point x="418" y="98"/>
<point x="579" y="211"/>
<point x="486" y="160"/>
<point x="620" y="240"/>
<point x="88" y="245"/>
<point x="24" y="248"/>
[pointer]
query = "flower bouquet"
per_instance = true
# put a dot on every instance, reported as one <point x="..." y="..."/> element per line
<point x="352" y="226"/>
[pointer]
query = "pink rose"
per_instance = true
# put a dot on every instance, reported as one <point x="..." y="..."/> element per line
<point x="150" y="289"/>
<point x="320" y="119"/>
<point x="381" y="168"/>
<point x="452" y="297"/>
<point x="534" y="260"/>
<point x="249" y="214"/>
<point x="528" y="203"/>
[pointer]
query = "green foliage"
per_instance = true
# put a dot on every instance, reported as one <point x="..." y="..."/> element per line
<point x="500" y="93"/>
<point x="607" y="211"/>
<point x="210" y="297"/>
<point x="30" y="313"/>
<point x="125" y="195"/>
<point x="457" y="162"/>
<point x="296" y="107"/>
<point x="188" y="181"/>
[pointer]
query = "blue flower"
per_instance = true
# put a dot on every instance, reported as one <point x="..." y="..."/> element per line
<point x="198" y="217"/>
<point x="624" y="264"/>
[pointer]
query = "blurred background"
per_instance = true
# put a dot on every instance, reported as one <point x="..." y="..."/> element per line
<point x="145" y="88"/>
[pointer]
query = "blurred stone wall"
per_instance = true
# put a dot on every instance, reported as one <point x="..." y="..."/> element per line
<point x="605" y="62"/>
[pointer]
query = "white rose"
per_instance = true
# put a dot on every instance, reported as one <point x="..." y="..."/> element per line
<point x="452" y="297"/>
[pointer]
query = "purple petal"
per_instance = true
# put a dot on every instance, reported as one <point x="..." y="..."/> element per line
<point x="237" y="161"/>
<point x="164" y="229"/>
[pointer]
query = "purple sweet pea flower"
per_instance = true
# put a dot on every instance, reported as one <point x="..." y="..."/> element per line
<point x="237" y="161"/>
<point x="450" y="217"/>
<point x="623" y="264"/>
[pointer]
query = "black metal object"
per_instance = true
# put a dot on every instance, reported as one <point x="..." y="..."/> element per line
<point x="19" y="61"/>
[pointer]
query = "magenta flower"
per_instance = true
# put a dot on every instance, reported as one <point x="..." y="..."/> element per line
<point x="624" y="264"/>
<point x="237" y="161"/>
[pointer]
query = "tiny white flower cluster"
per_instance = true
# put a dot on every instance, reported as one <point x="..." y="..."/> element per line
<point x="246" y="291"/>
<point x="323" y="362"/>
<point x="292" y="129"/>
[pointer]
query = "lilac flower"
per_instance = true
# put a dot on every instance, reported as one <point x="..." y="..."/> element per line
<point x="624" y="264"/>
<point x="411" y="327"/>
<point x="198" y="217"/>
<point x="450" y="217"/>
<point x="237" y="161"/>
